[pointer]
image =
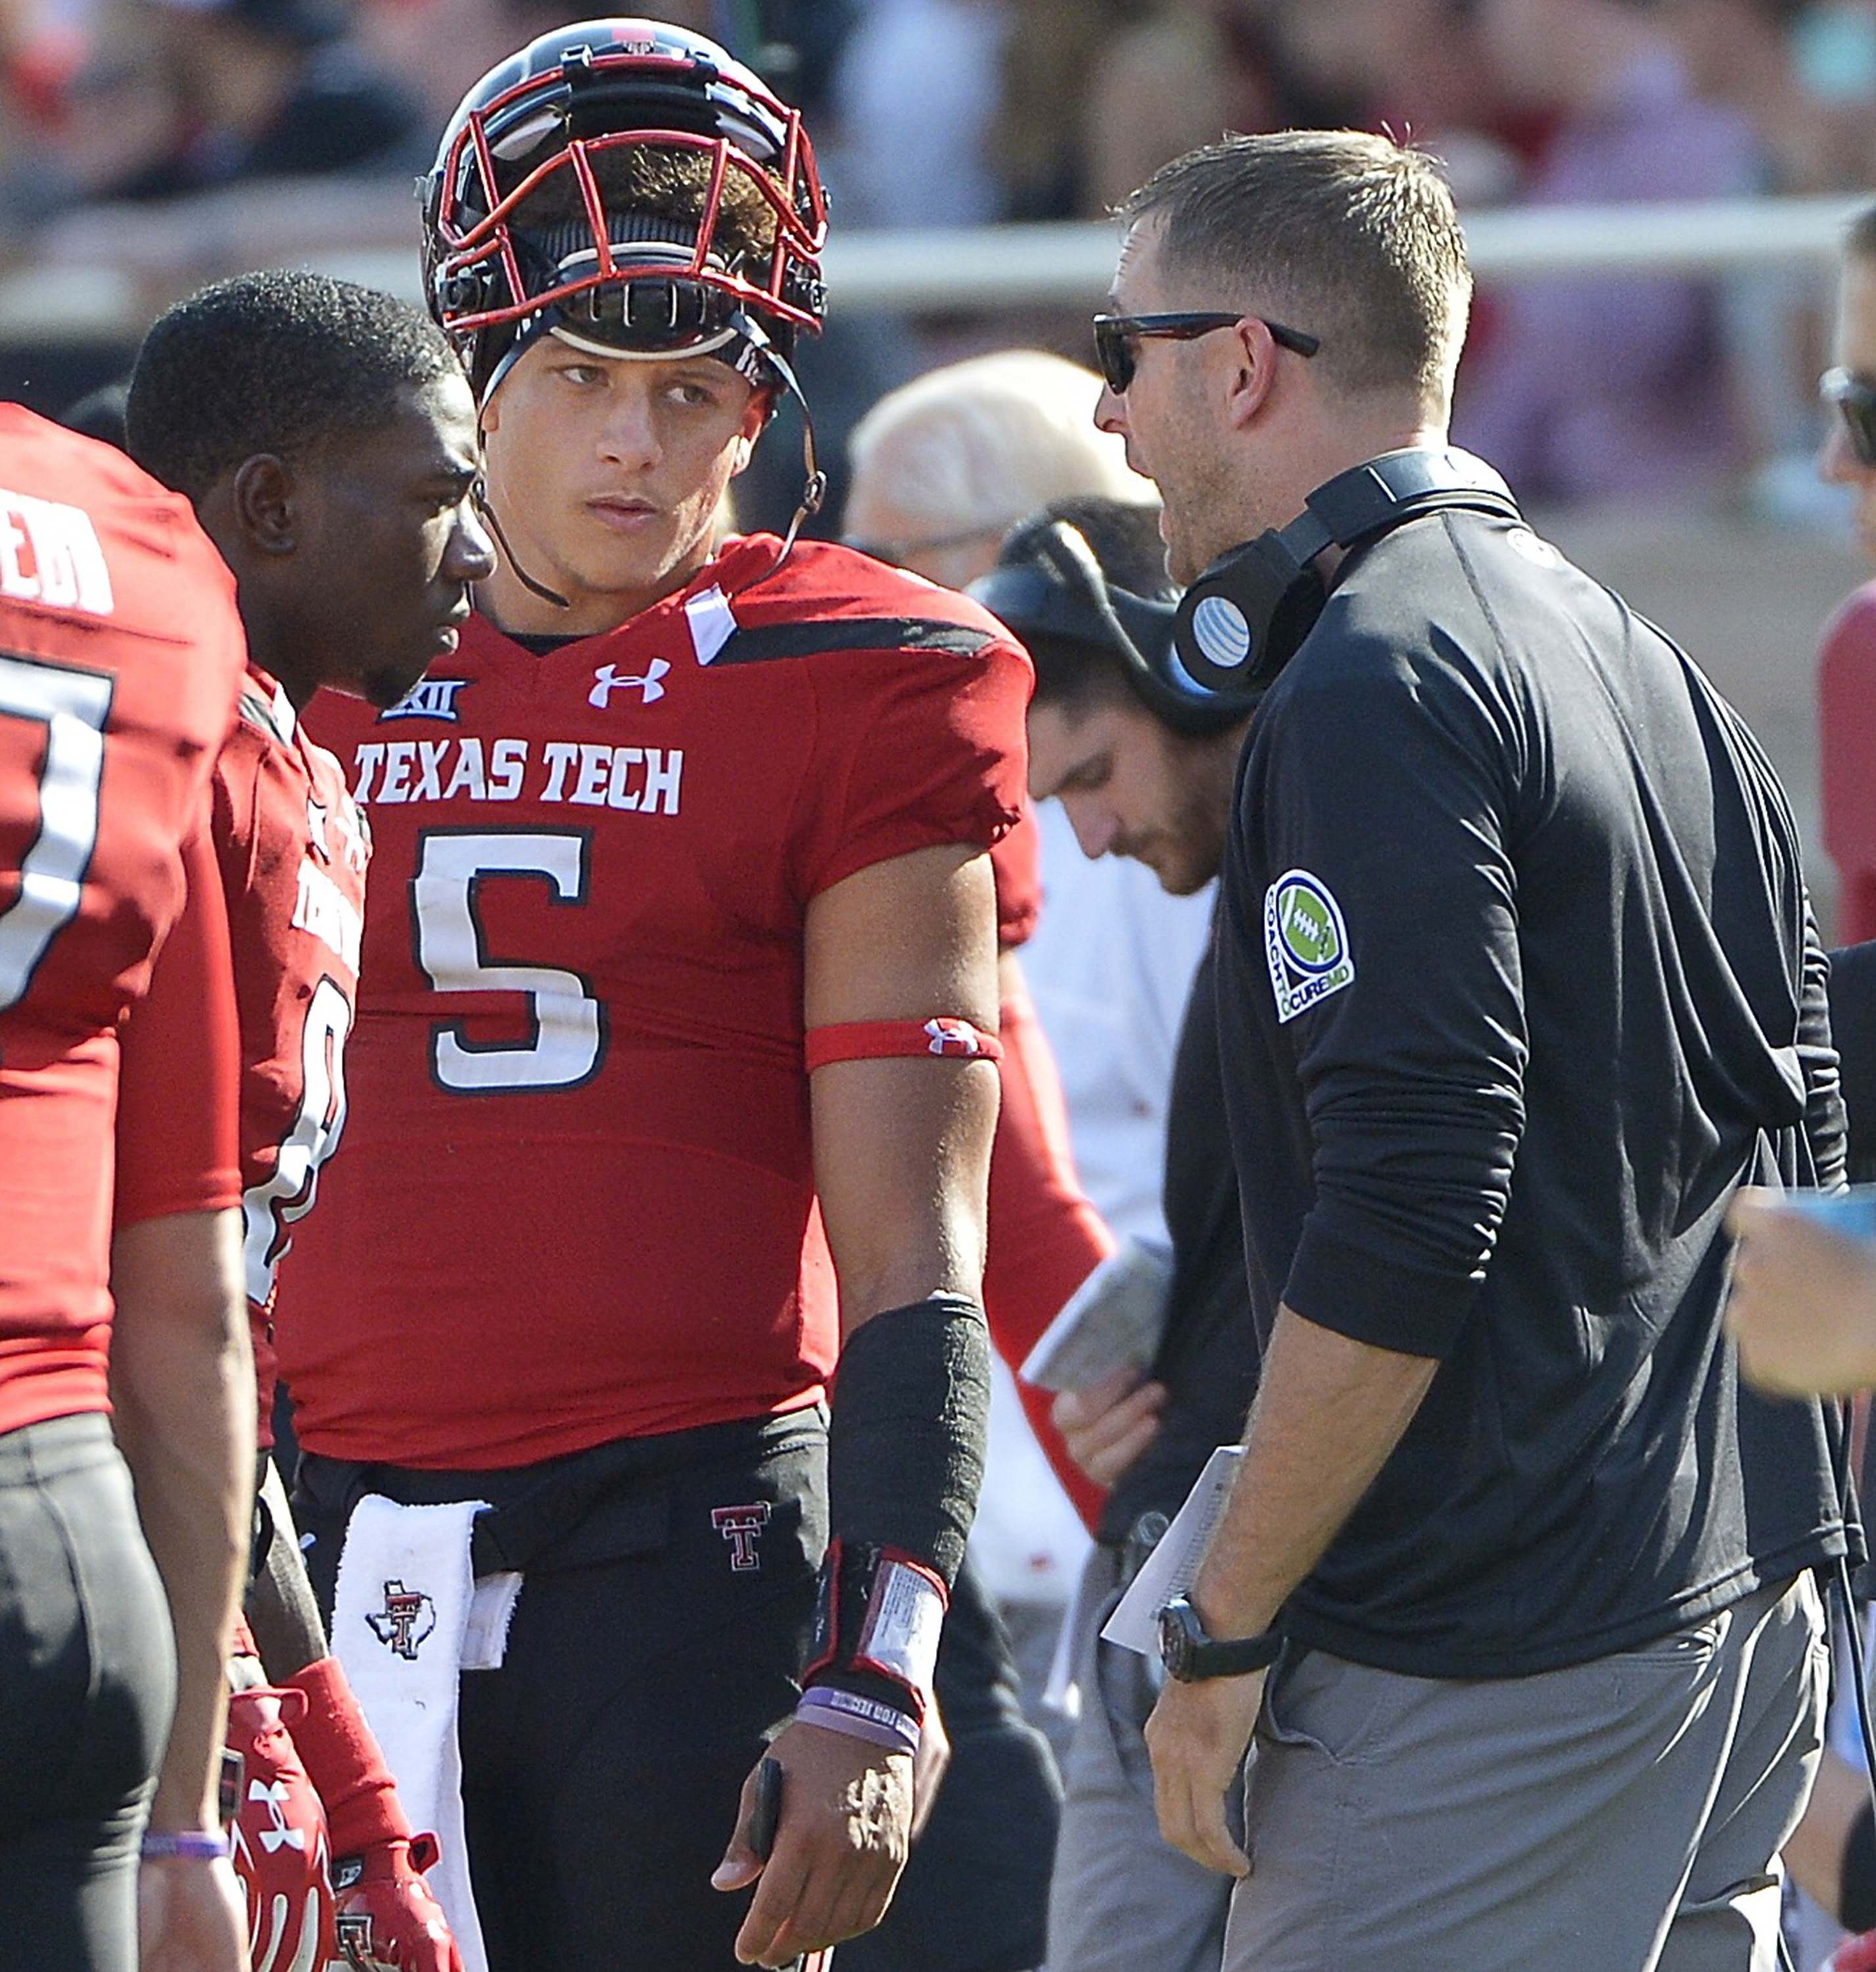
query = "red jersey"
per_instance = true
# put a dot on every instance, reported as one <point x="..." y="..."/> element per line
<point x="1017" y="864"/>
<point x="120" y="652"/>
<point x="293" y="850"/>
<point x="576" y="1200"/>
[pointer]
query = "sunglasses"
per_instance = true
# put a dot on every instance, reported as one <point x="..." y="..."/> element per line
<point x="1115" y="336"/>
<point x="1856" y="401"/>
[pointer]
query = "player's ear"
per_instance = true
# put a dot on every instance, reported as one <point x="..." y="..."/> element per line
<point x="266" y="503"/>
<point x="763" y="405"/>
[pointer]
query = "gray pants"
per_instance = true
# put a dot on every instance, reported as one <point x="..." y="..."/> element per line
<point x="1624" y="1815"/>
<point x="1120" y="1899"/>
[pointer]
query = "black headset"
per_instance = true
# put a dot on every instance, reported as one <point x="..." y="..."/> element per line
<point x="1243" y="621"/>
<point x="1049" y="583"/>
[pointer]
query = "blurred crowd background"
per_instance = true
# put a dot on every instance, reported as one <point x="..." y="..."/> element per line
<point x="178" y="139"/>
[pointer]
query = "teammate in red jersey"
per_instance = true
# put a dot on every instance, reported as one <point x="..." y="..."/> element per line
<point x="326" y="437"/>
<point x="681" y="946"/>
<point x="119" y="658"/>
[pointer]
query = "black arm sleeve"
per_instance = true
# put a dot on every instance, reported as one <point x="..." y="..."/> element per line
<point x="905" y="1440"/>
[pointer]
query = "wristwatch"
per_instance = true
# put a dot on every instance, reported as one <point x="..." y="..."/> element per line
<point x="1191" y="1656"/>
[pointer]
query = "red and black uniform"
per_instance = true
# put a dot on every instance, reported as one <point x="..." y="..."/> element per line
<point x="293" y="851"/>
<point x="582" y="1004"/>
<point x="119" y="655"/>
<point x="570" y="1262"/>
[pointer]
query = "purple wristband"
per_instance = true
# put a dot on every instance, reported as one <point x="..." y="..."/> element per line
<point x="194" y="1844"/>
<point x="860" y="1718"/>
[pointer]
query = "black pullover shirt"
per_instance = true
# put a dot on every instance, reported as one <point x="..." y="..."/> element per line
<point x="1517" y="981"/>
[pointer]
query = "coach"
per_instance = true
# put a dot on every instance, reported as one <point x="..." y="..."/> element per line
<point x="1517" y="982"/>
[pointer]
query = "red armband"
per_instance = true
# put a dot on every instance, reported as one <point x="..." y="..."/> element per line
<point x="949" y="1038"/>
<point x="344" y="1762"/>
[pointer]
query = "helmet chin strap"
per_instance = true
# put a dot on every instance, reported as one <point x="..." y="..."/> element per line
<point x="485" y="509"/>
<point x="742" y="326"/>
<point x="483" y="505"/>
<point x="814" y="482"/>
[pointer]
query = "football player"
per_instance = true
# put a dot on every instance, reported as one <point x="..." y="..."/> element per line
<point x="120" y="656"/>
<point x="675" y="1068"/>
<point x="327" y="437"/>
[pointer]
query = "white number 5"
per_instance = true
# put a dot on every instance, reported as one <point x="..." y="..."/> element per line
<point x="569" y="1035"/>
<point x="73" y="706"/>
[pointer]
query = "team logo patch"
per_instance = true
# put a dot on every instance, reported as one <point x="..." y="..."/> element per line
<point x="407" y="1618"/>
<point x="429" y="698"/>
<point x="1306" y="942"/>
<point x="742" y="1526"/>
<point x="606" y="680"/>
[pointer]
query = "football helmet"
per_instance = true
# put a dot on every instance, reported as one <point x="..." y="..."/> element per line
<point x="533" y="135"/>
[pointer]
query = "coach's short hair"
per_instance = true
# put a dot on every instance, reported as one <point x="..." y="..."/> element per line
<point x="1347" y="235"/>
<point x="980" y="442"/>
<point x="272" y="362"/>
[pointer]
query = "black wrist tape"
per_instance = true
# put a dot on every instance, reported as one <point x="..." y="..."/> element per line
<point x="904" y="1457"/>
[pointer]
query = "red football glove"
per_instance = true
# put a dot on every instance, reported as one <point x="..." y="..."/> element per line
<point x="386" y="1919"/>
<point x="1855" y="1954"/>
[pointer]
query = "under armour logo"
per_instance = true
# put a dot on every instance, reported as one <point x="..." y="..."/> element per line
<point x="429" y="698"/>
<point x="949" y="1036"/>
<point x="272" y="1794"/>
<point x="740" y="1526"/>
<point x="407" y="1617"/>
<point x="606" y="680"/>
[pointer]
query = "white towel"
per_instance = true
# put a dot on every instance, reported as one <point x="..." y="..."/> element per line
<point x="408" y="1616"/>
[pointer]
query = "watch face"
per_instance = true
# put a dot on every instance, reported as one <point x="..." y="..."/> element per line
<point x="1178" y="1646"/>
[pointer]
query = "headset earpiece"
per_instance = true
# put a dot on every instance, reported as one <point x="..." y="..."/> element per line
<point x="1049" y="583"/>
<point x="1243" y="618"/>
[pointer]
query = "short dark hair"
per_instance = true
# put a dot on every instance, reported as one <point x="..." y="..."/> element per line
<point x="664" y="190"/>
<point x="272" y="362"/>
<point x="1344" y="234"/>
<point x="1071" y="673"/>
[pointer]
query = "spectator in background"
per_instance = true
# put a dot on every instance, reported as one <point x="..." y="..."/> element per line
<point x="890" y="169"/>
<point x="273" y="88"/>
<point x="1750" y="55"/>
<point x="1596" y="387"/>
<point x="941" y="467"/>
<point x="1136" y="775"/>
<point x="174" y="97"/>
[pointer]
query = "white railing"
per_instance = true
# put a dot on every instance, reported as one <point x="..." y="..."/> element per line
<point x="92" y="294"/>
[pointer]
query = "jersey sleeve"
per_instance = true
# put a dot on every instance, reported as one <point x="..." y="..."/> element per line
<point x="179" y="1087"/>
<point x="1016" y="866"/>
<point x="1390" y="925"/>
<point x="920" y="747"/>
